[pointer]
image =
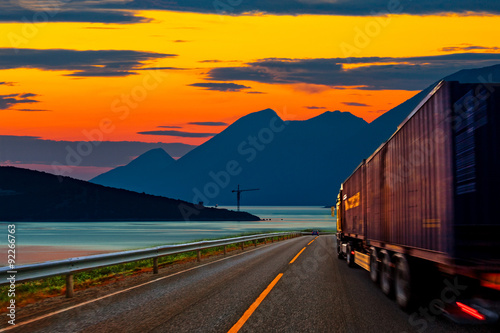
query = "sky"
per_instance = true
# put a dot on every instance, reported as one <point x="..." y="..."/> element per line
<point x="143" y="74"/>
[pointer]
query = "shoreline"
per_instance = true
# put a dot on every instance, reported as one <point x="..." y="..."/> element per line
<point x="32" y="254"/>
<point x="131" y="220"/>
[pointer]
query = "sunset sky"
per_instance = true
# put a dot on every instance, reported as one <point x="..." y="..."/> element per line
<point x="181" y="71"/>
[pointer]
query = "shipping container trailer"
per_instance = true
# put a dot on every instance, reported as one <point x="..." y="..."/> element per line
<point x="422" y="208"/>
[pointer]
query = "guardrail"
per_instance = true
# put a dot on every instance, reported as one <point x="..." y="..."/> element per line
<point x="71" y="266"/>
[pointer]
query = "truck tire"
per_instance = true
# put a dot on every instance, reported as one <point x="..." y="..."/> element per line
<point x="403" y="288"/>
<point x="340" y="255"/>
<point x="349" y="257"/>
<point x="386" y="273"/>
<point x="374" y="265"/>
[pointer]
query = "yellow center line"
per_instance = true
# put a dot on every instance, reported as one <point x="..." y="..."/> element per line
<point x="311" y="242"/>
<point x="298" y="254"/>
<point x="254" y="306"/>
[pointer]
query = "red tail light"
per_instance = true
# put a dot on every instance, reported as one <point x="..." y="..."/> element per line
<point x="471" y="311"/>
<point x="352" y="252"/>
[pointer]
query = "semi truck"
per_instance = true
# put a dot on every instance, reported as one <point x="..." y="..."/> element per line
<point x="422" y="212"/>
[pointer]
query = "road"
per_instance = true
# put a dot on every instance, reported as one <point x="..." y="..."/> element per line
<point x="260" y="291"/>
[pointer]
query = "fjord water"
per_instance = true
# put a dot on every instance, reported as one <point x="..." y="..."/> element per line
<point x="60" y="240"/>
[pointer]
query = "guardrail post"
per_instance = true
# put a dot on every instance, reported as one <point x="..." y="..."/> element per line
<point x="70" y="292"/>
<point x="155" y="265"/>
<point x="199" y="256"/>
<point x="242" y="246"/>
<point x="225" y="249"/>
<point x="255" y="243"/>
<point x="272" y="239"/>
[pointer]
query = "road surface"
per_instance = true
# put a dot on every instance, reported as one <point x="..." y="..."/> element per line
<point x="271" y="288"/>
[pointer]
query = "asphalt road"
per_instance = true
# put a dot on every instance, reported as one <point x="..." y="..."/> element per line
<point x="315" y="293"/>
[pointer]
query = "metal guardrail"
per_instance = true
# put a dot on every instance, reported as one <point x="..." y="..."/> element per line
<point x="71" y="266"/>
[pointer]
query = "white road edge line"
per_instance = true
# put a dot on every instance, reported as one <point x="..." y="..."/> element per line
<point x="124" y="290"/>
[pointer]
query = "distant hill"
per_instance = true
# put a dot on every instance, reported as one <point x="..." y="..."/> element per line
<point x="151" y="161"/>
<point x="27" y="195"/>
<point x="292" y="162"/>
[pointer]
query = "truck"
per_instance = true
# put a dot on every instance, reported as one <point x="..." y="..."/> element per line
<point x="421" y="213"/>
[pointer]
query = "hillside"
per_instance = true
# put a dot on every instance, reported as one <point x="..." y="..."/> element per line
<point x="152" y="161"/>
<point x="27" y="195"/>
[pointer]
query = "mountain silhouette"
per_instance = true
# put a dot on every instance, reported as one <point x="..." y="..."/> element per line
<point x="292" y="162"/>
<point x="151" y="161"/>
<point x="27" y="195"/>
<point x="258" y="150"/>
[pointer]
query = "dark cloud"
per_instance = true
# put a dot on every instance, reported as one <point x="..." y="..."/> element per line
<point x="64" y="11"/>
<point x="10" y="84"/>
<point x="256" y="92"/>
<point x="253" y="73"/>
<point x="31" y="110"/>
<point x="354" y="104"/>
<point x="210" y="61"/>
<point x="162" y="69"/>
<point x="231" y="87"/>
<point x="80" y="63"/>
<point x="101" y="73"/>
<point x="179" y="134"/>
<point x="8" y="101"/>
<point x="169" y="126"/>
<point x="315" y="107"/>
<point x="181" y="41"/>
<point x="34" y="150"/>
<point x="338" y="7"/>
<point x="122" y="12"/>
<point x="468" y="47"/>
<point x="411" y="73"/>
<point x="209" y="123"/>
<point x="27" y="95"/>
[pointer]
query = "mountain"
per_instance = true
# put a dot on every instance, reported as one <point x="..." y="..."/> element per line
<point x="258" y="150"/>
<point x="490" y="74"/>
<point x="152" y="161"/>
<point x="291" y="162"/>
<point x="27" y="195"/>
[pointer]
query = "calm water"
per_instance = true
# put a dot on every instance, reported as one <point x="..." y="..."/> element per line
<point x="115" y="236"/>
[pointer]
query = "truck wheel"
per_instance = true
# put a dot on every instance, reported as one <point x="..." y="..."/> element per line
<point x="340" y="255"/>
<point x="386" y="273"/>
<point x="374" y="266"/>
<point x="349" y="256"/>
<point x="402" y="282"/>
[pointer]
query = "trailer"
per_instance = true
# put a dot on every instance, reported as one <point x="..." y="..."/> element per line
<point x="420" y="212"/>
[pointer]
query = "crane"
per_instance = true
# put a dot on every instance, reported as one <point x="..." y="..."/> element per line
<point x="238" y="194"/>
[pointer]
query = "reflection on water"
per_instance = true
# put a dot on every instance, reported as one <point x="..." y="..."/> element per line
<point x="114" y="236"/>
